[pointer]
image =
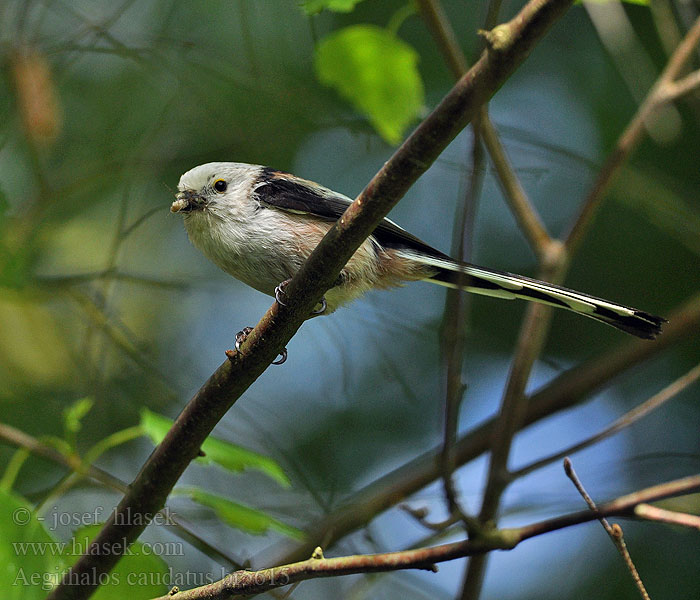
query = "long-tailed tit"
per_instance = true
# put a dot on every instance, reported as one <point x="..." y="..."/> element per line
<point x="260" y="225"/>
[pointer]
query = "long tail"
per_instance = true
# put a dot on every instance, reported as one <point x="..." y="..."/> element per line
<point x="509" y="286"/>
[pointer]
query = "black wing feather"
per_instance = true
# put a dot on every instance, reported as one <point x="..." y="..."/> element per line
<point x="288" y="192"/>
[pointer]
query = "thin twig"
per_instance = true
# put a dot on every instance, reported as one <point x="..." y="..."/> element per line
<point x="513" y="407"/>
<point x="254" y="582"/>
<point x="55" y="281"/>
<point x="434" y="15"/>
<point x="120" y="335"/>
<point x="630" y="417"/>
<point x="92" y="341"/>
<point x="454" y="322"/>
<point x="622" y="506"/>
<point x="510" y="419"/>
<point x="453" y="332"/>
<point x="654" y="513"/>
<point x="127" y="231"/>
<point x="676" y="89"/>
<point x="631" y="136"/>
<point x="614" y="531"/>
<point x="421" y="516"/>
<point x="525" y="213"/>
<point x="666" y="26"/>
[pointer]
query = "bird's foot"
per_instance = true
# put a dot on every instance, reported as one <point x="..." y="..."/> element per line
<point x="320" y="309"/>
<point x="282" y="358"/>
<point x="240" y="338"/>
<point x="280" y="293"/>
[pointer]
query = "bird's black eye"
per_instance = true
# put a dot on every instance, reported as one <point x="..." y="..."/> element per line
<point x="220" y="186"/>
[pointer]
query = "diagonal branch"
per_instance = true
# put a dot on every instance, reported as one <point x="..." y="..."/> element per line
<point x="434" y="15"/>
<point x="527" y="216"/>
<point x="511" y="44"/>
<point x="453" y="334"/>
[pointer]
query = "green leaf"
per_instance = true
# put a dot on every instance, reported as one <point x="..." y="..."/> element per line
<point x="377" y="72"/>
<point x="141" y="572"/>
<point x="240" y="516"/>
<point x="229" y="456"/>
<point x="30" y="556"/>
<point x="312" y="7"/>
<point x="73" y="415"/>
<point x="235" y="458"/>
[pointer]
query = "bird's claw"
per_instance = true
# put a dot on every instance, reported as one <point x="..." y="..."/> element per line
<point x="282" y="358"/>
<point x="279" y="292"/>
<point x="321" y="309"/>
<point x="240" y="338"/>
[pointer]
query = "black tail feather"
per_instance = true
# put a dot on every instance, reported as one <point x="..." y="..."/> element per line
<point x="507" y="285"/>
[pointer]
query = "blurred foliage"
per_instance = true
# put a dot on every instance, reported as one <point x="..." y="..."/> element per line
<point x="214" y="451"/>
<point x="33" y="559"/>
<point x="72" y="417"/>
<point x="103" y="105"/>
<point x="312" y="7"/>
<point x="25" y="574"/>
<point x="237" y="515"/>
<point x="141" y="572"/>
<point x="377" y="73"/>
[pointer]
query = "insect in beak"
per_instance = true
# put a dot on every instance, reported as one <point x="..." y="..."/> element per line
<point x="187" y="201"/>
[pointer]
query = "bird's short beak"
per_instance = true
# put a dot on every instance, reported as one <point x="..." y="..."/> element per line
<point x="186" y="201"/>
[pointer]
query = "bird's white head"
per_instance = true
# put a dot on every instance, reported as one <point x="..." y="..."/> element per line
<point x="215" y="188"/>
